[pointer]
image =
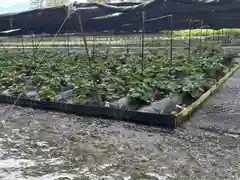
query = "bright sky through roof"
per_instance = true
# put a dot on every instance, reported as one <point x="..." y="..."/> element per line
<point x="9" y="3"/>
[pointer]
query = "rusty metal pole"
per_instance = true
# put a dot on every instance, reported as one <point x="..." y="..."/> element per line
<point x="87" y="53"/>
<point x="83" y="36"/>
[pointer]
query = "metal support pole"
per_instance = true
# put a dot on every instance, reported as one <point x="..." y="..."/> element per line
<point x="83" y="36"/>
<point x="200" y="45"/>
<point x="189" y="38"/>
<point x="22" y="43"/>
<point x="171" y="39"/>
<point x="143" y="34"/>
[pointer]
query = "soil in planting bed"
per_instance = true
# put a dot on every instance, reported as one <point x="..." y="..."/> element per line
<point x="155" y="84"/>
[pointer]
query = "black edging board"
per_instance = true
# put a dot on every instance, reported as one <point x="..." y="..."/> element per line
<point x="95" y="111"/>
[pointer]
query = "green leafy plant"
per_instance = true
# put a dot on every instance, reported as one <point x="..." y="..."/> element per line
<point x="116" y="75"/>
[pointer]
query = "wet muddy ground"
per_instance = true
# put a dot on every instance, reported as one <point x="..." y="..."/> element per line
<point x="40" y="145"/>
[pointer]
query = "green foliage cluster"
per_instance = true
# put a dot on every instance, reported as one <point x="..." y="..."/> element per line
<point x="111" y="76"/>
<point x="201" y="32"/>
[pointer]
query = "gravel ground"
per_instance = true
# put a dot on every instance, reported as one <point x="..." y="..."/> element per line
<point x="40" y="145"/>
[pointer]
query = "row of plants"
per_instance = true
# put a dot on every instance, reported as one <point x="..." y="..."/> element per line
<point x="125" y="42"/>
<point x="118" y="40"/>
<point x="108" y="77"/>
<point x="201" y="32"/>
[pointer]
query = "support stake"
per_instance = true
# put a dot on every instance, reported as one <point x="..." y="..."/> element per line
<point x="143" y="33"/>
<point x="189" y="38"/>
<point x="171" y="39"/>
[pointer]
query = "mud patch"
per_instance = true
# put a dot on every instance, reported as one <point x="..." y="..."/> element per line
<point x="56" y="146"/>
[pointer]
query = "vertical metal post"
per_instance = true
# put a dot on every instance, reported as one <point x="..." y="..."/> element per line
<point x="22" y="43"/>
<point x="18" y="43"/>
<point x="127" y="49"/>
<point x="65" y="41"/>
<point x="200" y="45"/>
<point x="213" y="35"/>
<point x="93" y="40"/>
<point x="125" y="43"/>
<point x="11" y="22"/>
<point x="206" y="36"/>
<point x="33" y="47"/>
<point x="68" y="44"/>
<point x="143" y="33"/>
<point x="224" y="37"/>
<point x="189" y="38"/>
<point x="230" y="40"/>
<point x="109" y="44"/>
<point x="171" y="39"/>
<point x="83" y="36"/>
<point x="218" y="36"/>
<point x="86" y="49"/>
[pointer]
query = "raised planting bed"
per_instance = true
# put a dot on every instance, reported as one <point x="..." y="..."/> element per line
<point x="119" y="86"/>
<point x="187" y="112"/>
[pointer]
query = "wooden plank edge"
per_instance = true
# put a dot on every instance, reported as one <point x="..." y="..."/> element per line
<point x="185" y="114"/>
